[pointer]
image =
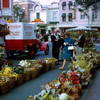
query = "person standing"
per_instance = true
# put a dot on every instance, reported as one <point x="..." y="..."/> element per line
<point x="61" y="57"/>
<point x="55" y="39"/>
<point x="67" y="53"/>
<point x="80" y="45"/>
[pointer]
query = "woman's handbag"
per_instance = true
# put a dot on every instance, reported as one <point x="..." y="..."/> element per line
<point x="71" y="47"/>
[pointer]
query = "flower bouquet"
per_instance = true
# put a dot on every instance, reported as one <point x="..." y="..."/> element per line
<point x="9" y="63"/>
<point x="8" y="71"/>
<point x="4" y="30"/>
<point x="52" y="62"/>
<point x="20" y="71"/>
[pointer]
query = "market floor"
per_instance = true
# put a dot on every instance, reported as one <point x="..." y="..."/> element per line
<point x="33" y="87"/>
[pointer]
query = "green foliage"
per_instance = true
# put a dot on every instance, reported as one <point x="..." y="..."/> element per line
<point x="18" y="9"/>
<point x="18" y="69"/>
<point x="87" y="3"/>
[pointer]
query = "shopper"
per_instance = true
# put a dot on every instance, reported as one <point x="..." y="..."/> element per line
<point x="67" y="53"/>
<point x="55" y="39"/>
<point x="61" y="56"/>
<point x="80" y="45"/>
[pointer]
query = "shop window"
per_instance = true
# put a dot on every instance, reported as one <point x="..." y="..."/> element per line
<point x="82" y="16"/>
<point x="64" y="6"/>
<point x="54" y="16"/>
<point x="64" y="17"/>
<point x="70" y="5"/>
<point x="38" y="15"/>
<point x="70" y="16"/>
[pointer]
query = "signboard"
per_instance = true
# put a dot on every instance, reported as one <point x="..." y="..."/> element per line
<point x="15" y="31"/>
<point x="21" y="31"/>
<point x="28" y="30"/>
<point x="39" y="22"/>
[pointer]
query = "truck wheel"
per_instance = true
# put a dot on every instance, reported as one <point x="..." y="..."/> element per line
<point x="47" y="50"/>
<point x="10" y="53"/>
<point x="31" y="53"/>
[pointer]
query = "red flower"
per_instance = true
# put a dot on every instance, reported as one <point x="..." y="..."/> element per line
<point x="60" y="75"/>
<point x="63" y="79"/>
<point x="77" y="82"/>
<point x="72" y="73"/>
<point x="74" y="68"/>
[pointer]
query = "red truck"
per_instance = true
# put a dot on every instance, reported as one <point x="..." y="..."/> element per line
<point x="22" y="38"/>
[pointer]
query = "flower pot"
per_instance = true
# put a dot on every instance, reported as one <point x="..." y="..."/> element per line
<point x="43" y="68"/>
<point x="39" y="70"/>
<point x="20" y="79"/>
<point x="52" y="65"/>
<point x="11" y="82"/>
<point x="27" y="76"/>
<point x="47" y="67"/>
<point x="34" y="73"/>
<point x="4" y="87"/>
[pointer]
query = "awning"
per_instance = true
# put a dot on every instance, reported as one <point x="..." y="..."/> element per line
<point x="54" y="22"/>
<point x="43" y="25"/>
<point x="64" y="15"/>
<point x="70" y="15"/>
<point x="64" y="4"/>
<point x="70" y="3"/>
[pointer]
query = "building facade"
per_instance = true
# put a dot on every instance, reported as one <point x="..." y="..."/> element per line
<point x="27" y="5"/>
<point x="53" y="16"/>
<point x="70" y="17"/>
<point x="38" y="14"/>
<point x="6" y="9"/>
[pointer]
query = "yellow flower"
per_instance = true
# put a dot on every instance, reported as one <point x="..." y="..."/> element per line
<point x="0" y="47"/>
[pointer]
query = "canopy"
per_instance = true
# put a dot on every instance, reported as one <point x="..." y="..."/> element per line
<point x="3" y="22"/>
<point x="82" y="28"/>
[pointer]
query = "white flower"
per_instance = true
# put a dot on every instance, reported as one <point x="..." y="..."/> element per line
<point x="48" y="89"/>
<point x="35" y="97"/>
<point x="78" y="75"/>
<point x="58" y="84"/>
<point x="85" y="83"/>
<point x="43" y="92"/>
<point x="39" y="94"/>
<point x="53" y="91"/>
<point x="81" y="70"/>
<point x="76" y="66"/>
<point x="75" y="71"/>
<point x="69" y="71"/>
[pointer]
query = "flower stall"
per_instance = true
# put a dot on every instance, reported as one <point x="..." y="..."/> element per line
<point x="4" y="30"/>
<point x="70" y="84"/>
<point x="12" y="75"/>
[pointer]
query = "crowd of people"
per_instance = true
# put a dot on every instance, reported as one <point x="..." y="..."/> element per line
<point x="60" y="45"/>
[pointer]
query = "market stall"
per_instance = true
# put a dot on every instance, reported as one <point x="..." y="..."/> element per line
<point x="4" y="30"/>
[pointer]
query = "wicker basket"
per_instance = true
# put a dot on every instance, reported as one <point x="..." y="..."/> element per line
<point x="27" y="75"/>
<point x="39" y="70"/>
<point x="11" y="82"/>
<point x="34" y="73"/>
<point x="4" y="87"/>
<point x="43" y="68"/>
<point x="52" y="65"/>
<point x="47" y="66"/>
<point x="20" y="79"/>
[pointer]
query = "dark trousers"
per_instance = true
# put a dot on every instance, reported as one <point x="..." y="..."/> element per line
<point x="55" y="52"/>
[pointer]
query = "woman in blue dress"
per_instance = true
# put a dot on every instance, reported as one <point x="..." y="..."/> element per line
<point x="67" y="53"/>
